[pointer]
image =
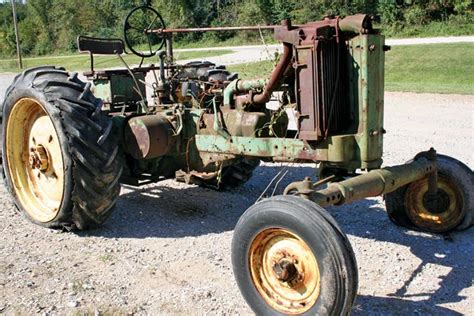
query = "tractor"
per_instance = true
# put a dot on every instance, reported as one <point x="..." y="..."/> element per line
<point x="69" y="144"/>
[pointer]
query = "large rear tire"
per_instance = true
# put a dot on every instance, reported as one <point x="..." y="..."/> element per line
<point x="60" y="154"/>
<point x="289" y="256"/>
<point x="451" y="209"/>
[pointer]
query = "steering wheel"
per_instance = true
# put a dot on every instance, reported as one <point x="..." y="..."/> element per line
<point x="136" y="31"/>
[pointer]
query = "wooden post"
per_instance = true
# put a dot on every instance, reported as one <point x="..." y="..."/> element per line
<point x="15" y="23"/>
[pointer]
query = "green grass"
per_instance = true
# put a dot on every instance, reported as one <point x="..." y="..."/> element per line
<point x="106" y="258"/>
<point x="431" y="68"/>
<point x="260" y="69"/>
<point x="436" y="68"/>
<point x="233" y="41"/>
<point x="81" y="62"/>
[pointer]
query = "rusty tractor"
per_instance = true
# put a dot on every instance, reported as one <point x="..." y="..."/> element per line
<point x="68" y="145"/>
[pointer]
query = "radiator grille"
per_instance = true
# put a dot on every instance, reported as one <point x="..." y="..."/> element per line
<point x="328" y="78"/>
<point x="326" y="110"/>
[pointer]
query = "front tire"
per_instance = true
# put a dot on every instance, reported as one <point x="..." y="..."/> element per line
<point x="60" y="155"/>
<point x="289" y="256"/>
<point x="410" y="206"/>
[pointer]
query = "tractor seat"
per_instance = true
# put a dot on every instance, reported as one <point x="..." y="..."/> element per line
<point x="101" y="46"/>
<point x="104" y="46"/>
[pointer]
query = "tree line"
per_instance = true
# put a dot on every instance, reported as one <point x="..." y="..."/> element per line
<point x="51" y="26"/>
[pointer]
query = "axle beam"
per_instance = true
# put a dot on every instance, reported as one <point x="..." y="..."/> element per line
<point x="374" y="183"/>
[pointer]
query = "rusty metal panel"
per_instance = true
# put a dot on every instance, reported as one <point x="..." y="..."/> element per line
<point x="322" y="85"/>
<point x="149" y="136"/>
<point x="118" y="89"/>
<point x="337" y="149"/>
<point x="306" y="93"/>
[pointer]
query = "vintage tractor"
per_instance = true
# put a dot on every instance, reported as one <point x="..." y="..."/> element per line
<point x="68" y="145"/>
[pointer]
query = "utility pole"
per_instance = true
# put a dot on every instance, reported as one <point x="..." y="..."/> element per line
<point x="15" y="23"/>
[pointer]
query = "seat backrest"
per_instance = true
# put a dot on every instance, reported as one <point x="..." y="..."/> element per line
<point x="104" y="46"/>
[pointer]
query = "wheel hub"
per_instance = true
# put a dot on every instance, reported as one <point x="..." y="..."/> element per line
<point x="284" y="270"/>
<point x="35" y="160"/>
<point x="39" y="158"/>
<point x="436" y="203"/>
<point x="438" y="212"/>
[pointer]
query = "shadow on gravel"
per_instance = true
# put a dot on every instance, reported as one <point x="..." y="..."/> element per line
<point x="158" y="210"/>
<point x="372" y="305"/>
<point x="431" y="249"/>
<point x="366" y="219"/>
<point x="162" y="211"/>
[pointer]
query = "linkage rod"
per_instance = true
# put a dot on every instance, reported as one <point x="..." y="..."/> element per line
<point x="210" y="29"/>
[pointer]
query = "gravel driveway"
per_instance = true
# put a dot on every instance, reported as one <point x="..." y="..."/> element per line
<point x="166" y="249"/>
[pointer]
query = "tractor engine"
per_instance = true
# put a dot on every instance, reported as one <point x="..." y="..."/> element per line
<point x="159" y="137"/>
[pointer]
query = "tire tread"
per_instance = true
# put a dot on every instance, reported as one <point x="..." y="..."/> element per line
<point x="90" y="144"/>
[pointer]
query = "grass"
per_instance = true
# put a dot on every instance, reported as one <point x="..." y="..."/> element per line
<point x="81" y="61"/>
<point x="106" y="311"/>
<point x="431" y="68"/>
<point x="239" y="39"/>
<point x="260" y="69"/>
<point x="106" y="258"/>
<point x="436" y="68"/>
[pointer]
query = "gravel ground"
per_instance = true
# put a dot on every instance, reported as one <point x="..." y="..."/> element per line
<point x="166" y="249"/>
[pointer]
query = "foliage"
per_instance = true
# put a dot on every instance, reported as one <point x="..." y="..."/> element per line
<point x="52" y="26"/>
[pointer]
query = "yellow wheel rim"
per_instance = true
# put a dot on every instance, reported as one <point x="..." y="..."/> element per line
<point x="284" y="271"/>
<point x="443" y="214"/>
<point x="35" y="160"/>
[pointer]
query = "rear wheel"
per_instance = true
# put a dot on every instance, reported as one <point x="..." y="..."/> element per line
<point x="290" y="257"/>
<point x="231" y="176"/>
<point x="451" y="208"/>
<point x="60" y="156"/>
<point x="238" y="173"/>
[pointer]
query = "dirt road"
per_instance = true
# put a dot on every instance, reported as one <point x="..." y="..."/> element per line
<point x="166" y="249"/>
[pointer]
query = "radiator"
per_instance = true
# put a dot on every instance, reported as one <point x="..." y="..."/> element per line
<point x="322" y="88"/>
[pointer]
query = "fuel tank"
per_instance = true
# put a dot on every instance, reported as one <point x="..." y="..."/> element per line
<point x="149" y="136"/>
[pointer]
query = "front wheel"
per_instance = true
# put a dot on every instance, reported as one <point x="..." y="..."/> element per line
<point x="290" y="257"/>
<point x="451" y="208"/>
